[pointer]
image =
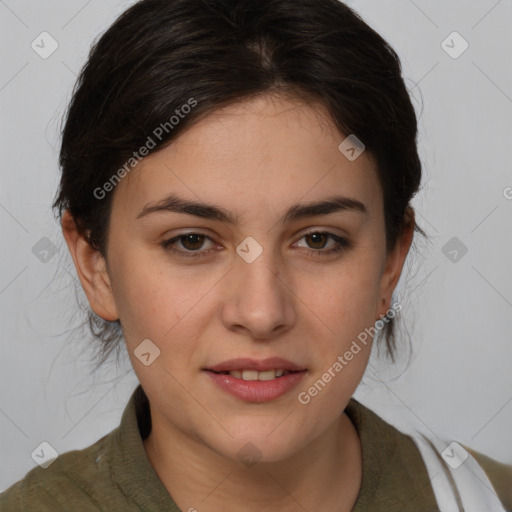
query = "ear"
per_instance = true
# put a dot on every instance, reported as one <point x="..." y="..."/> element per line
<point x="91" y="268"/>
<point x="394" y="263"/>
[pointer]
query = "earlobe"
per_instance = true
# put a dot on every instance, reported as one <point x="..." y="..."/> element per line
<point x="91" y="269"/>
<point x="395" y="260"/>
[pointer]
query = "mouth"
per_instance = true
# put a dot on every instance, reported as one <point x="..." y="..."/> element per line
<point x="251" y="375"/>
<point x="246" y="365"/>
<point x="253" y="380"/>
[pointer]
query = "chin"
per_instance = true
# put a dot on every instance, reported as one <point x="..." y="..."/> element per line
<point x="258" y="448"/>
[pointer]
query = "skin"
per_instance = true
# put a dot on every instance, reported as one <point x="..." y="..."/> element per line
<point x="254" y="159"/>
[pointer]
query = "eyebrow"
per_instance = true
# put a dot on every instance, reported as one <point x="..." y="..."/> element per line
<point x="173" y="203"/>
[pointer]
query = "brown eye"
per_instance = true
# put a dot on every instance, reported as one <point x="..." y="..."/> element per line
<point x="318" y="240"/>
<point x="188" y="245"/>
<point x="192" y="241"/>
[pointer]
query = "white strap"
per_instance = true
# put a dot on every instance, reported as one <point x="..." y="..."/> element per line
<point x="458" y="481"/>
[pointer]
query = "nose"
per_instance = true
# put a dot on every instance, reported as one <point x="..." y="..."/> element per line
<point x="258" y="303"/>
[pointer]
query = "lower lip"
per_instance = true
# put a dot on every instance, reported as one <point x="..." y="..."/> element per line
<point x="257" y="390"/>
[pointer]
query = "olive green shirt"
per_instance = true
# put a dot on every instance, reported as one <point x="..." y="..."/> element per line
<point x="114" y="474"/>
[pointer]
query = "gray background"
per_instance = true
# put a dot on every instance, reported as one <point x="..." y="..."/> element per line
<point x="456" y="384"/>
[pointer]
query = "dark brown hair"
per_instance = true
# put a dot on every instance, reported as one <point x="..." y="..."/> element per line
<point x="161" y="54"/>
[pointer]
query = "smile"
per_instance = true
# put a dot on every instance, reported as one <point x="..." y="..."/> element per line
<point x="256" y="375"/>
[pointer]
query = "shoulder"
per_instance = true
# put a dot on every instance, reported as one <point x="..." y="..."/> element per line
<point x="112" y="474"/>
<point x="403" y="462"/>
<point x="499" y="474"/>
<point x="394" y="474"/>
<point x="74" y="481"/>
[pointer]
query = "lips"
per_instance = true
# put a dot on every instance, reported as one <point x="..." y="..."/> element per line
<point x="254" y="380"/>
<point x="256" y="375"/>
<point x="241" y="364"/>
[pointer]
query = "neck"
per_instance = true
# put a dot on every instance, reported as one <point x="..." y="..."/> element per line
<point x="326" y="475"/>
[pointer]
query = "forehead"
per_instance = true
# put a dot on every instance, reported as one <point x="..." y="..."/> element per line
<point x="263" y="153"/>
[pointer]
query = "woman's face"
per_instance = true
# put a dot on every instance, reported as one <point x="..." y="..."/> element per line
<point x="254" y="286"/>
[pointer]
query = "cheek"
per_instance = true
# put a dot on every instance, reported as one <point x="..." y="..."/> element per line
<point x="347" y="296"/>
<point x="343" y="338"/>
<point x="158" y="301"/>
<point x="345" y="303"/>
<point x="141" y="292"/>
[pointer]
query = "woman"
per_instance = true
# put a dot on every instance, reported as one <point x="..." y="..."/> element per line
<point x="235" y="195"/>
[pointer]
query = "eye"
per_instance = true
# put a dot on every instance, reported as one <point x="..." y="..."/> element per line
<point x="191" y="242"/>
<point x="318" y="239"/>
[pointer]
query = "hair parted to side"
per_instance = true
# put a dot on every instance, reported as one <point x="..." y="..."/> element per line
<point x="161" y="53"/>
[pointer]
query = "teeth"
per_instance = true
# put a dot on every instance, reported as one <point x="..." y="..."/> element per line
<point x="256" y="375"/>
<point x="249" y="375"/>
<point x="267" y="375"/>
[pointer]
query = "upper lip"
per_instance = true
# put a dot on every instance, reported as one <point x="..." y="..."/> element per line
<point x="271" y="363"/>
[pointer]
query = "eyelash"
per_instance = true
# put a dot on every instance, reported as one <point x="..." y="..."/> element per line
<point x="342" y="245"/>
